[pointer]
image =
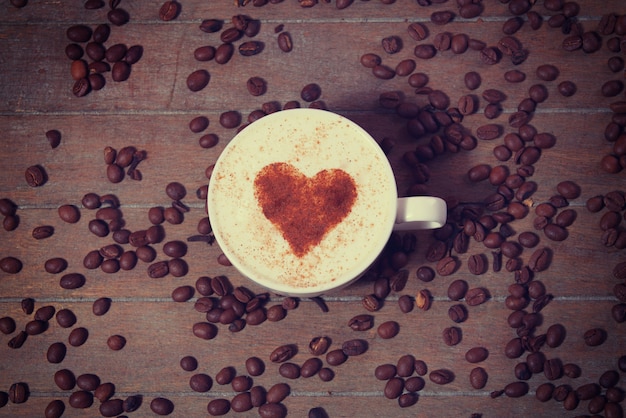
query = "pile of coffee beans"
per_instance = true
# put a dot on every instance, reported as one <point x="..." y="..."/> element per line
<point x="88" y="73"/>
<point x="127" y="158"/>
<point x="612" y="205"/>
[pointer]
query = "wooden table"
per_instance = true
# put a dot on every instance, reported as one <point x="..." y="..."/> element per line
<point x="152" y="110"/>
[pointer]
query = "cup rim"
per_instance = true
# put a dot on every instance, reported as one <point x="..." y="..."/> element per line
<point x="351" y="275"/>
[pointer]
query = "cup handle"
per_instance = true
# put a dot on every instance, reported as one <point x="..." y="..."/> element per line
<point x="420" y="212"/>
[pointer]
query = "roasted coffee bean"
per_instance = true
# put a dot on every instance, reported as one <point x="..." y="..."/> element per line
<point x="478" y="378"/>
<point x="457" y="289"/>
<point x="35" y="176"/>
<point x="198" y="80"/>
<point x="553" y="369"/>
<point x="204" y="330"/>
<point x="72" y="281"/>
<point x="354" y="347"/>
<point x="393" y="388"/>
<point x="250" y="48"/>
<point x="555" y="335"/>
<point x="452" y="336"/>
<point x="477" y="264"/>
<point x="441" y="376"/>
<point x="56" y="352"/>
<point x="204" y="53"/>
<point x="224" y="52"/>
<point x="310" y="367"/>
<point x="118" y="16"/>
<point x="225" y="376"/>
<point x="457" y="313"/>
<point x="417" y="31"/>
<point x="19" y="392"/>
<point x="388" y="329"/>
<point x="319" y="345"/>
<point x="241" y="383"/>
<point x="447" y="266"/>
<point x="472" y="80"/>
<point x="476" y="354"/>
<point x="476" y="296"/>
<point x="547" y="72"/>
<point x="555" y="232"/>
<point x="161" y="406"/>
<point x="289" y="370"/>
<point x="442" y="17"/>
<point x="169" y="11"/>
<point x="392" y="44"/>
<point x="272" y="410"/>
<point x="278" y="392"/>
<point x="283" y="353"/>
<point x="371" y="303"/>
<point x="370" y="60"/>
<point x="594" y="337"/>
<point x="78" y="33"/>
<point x="285" y="42"/>
<point x="116" y="342"/>
<point x="425" y="51"/>
<point x="516" y="389"/>
<point x="310" y="92"/>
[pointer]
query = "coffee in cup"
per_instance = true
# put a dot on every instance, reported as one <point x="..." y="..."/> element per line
<point x="303" y="201"/>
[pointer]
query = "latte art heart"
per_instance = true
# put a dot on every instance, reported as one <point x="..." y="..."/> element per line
<point x="304" y="209"/>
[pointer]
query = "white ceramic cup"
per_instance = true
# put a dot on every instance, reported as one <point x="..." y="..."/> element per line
<point x="303" y="201"/>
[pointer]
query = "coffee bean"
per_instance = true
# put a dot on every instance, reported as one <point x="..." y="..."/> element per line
<point x="371" y="303"/>
<point x="447" y="266"/>
<point x="56" y="352"/>
<point x="169" y="11"/>
<point x="78" y="33"/>
<point x="289" y="370"/>
<point x="594" y="337"/>
<point x="116" y="342"/>
<point x="393" y="388"/>
<point x="230" y="119"/>
<point x="488" y="132"/>
<point x="478" y="378"/>
<point x="476" y="354"/>
<point x="250" y="48"/>
<point x="35" y="176"/>
<point x="452" y="336"/>
<point x="272" y="410"/>
<point x="476" y="296"/>
<point x="72" y="281"/>
<point x="477" y="264"/>
<point x="19" y="392"/>
<point x="516" y="389"/>
<point x="311" y="367"/>
<point x="161" y="406"/>
<point x="336" y="357"/>
<point x="278" y="392"/>
<point x="417" y="31"/>
<point x="442" y="17"/>
<point x="388" y="329"/>
<point x="472" y="80"/>
<point x="568" y="189"/>
<point x="457" y="313"/>
<point x="555" y="232"/>
<point x="204" y="330"/>
<point x="425" y="51"/>
<point x="354" y="347"/>
<point x="441" y="376"/>
<point x="198" y="80"/>
<point x="311" y="92"/>
<point x="553" y="369"/>
<point x="283" y="353"/>
<point x="457" y="289"/>
<point x="369" y="60"/>
<point x="118" y="16"/>
<point x="392" y="44"/>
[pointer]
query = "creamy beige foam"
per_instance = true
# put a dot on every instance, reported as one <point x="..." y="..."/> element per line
<point x="311" y="141"/>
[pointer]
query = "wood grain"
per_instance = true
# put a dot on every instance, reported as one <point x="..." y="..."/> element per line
<point x="152" y="110"/>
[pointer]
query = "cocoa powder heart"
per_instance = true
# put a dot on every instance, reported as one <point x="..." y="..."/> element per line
<point x="304" y="208"/>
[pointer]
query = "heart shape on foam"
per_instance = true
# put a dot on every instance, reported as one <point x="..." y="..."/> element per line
<point x="304" y="209"/>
